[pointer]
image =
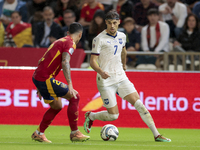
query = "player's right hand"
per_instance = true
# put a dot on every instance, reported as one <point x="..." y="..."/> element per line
<point x="38" y="94"/>
<point x="105" y="75"/>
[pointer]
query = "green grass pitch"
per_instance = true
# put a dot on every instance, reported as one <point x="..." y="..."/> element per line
<point x="18" y="137"/>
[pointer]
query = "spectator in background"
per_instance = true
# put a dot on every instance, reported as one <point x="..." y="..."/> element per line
<point x="132" y="38"/>
<point x="97" y="25"/>
<point x="18" y="33"/>
<point x="68" y="18"/>
<point x="155" y="37"/>
<point x="189" y="4"/>
<point x="1" y="34"/>
<point x="174" y="14"/>
<point x="47" y="31"/>
<point x="9" y="6"/>
<point x="124" y="9"/>
<point x="135" y="1"/>
<point x="63" y="5"/>
<point x="108" y="4"/>
<point x="140" y="13"/>
<point x="189" y="38"/>
<point x="158" y="2"/>
<point x="35" y="8"/>
<point x="88" y="10"/>
<point x="196" y="9"/>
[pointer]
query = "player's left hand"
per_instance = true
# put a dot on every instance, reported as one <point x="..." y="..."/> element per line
<point x="72" y="91"/>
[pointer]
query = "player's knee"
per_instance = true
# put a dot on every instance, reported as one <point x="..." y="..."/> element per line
<point x="78" y="97"/>
<point x="75" y="100"/>
<point x="113" y="116"/>
<point x="140" y="107"/>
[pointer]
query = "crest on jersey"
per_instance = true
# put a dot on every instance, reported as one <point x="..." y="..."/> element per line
<point x="106" y="101"/>
<point x="120" y="41"/>
<point x="71" y="50"/>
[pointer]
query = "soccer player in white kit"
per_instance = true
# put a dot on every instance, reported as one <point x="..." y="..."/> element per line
<point x="108" y="59"/>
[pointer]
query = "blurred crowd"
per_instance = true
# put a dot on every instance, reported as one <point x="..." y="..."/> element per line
<point x="149" y="25"/>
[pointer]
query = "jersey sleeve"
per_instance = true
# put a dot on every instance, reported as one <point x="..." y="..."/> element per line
<point x="69" y="47"/>
<point x="96" y="46"/>
<point x="124" y="40"/>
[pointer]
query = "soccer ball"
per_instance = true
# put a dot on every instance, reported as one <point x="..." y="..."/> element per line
<point x="109" y="132"/>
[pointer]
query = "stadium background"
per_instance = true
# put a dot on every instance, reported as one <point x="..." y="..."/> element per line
<point x="173" y="98"/>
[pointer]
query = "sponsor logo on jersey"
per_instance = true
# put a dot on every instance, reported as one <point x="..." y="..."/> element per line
<point x="108" y="42"/>
<point x="120" y="41"/>
<point x="71" y="50"/>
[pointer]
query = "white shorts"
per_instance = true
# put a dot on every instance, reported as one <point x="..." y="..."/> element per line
<point x="108" y="93"/>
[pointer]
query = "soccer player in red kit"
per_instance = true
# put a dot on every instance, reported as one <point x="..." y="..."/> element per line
<point x="57" y="57"/>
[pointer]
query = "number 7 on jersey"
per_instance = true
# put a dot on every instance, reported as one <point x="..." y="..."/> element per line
<point x="116" y="46"/>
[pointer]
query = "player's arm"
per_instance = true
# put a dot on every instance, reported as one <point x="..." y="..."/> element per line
<point x="67" y="72"/>
<point x="95" y="66"/>
<point x="123" y="57"/>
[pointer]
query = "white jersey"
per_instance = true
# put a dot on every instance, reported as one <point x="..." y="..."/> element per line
<point x="109" y="49"/>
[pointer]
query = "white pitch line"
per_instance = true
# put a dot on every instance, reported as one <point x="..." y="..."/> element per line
<point x="82" y="143"/>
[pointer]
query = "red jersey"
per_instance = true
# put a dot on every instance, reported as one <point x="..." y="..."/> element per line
<point x="87" y="13"/>
<point x="50" y="64"/>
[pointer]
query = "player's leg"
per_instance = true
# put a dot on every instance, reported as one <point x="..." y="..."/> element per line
<point x="128" y="92"/>
<point x="47" y="91"/>
<point x="55" y="108"/>
<point x="72" y="113"/>
<point x="108" y="95"/>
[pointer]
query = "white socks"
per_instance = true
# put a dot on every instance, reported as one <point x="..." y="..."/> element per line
<point x="39" y="133"/>
<point x="146" y="117"/>
<point x="103" y="116"/>
<point x="72" y="132"/>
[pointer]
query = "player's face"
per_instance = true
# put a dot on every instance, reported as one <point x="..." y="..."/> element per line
<point x="112" y="26"/>
<point x="16" y="18"/>
<point x="153" y="19"/>
<point x="79" y="35"/>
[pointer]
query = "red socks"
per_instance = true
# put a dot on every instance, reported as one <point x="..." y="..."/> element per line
<point x="72" y="112"/>
<point x="48" y="118"/>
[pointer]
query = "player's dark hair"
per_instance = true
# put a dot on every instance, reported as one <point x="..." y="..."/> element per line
<point x="75" y="28"/>
<point x="152" y="11"/>
<point x="112" y="15"/>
